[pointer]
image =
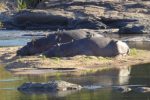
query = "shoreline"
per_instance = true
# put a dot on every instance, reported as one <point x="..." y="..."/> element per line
<point x="78" y="65"/>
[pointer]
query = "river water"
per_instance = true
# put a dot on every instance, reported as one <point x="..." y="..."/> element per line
<point x="18" y="37"/>
<point x="98" y="87"/>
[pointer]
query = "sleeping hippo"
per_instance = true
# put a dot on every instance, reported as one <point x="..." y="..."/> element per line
<point x="95" y="46"/>
<point x="42" y="44"/>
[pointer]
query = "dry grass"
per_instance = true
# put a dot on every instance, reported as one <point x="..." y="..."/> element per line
<point x="2" y="7"/>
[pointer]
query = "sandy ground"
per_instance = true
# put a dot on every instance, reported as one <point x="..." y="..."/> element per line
<point x="2" y="7"/>
<point x="77" y="65"/>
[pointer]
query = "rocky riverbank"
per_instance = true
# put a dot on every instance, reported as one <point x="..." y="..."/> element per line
<point x="127" y="16"/>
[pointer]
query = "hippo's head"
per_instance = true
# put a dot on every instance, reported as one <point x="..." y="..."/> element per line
<point x="27" y="51"/>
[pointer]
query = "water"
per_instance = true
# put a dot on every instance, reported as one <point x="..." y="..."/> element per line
<point x="99" y="87"/>
<point x="18" y="37"/>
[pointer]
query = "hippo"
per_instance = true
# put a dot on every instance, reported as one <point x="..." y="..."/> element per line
<point x="51" y="86"/>
<point x="142" y="89"/>
<point x="40" y="45"/>
<point x="94" y="46"/>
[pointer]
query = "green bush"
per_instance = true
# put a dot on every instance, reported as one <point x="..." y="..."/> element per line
<point x="1" y="25"/>
<point x="133" y="52"/>
<point x="24" y="4"/>
<point x="21" y="4"/>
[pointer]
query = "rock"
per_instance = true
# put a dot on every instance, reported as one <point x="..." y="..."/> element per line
<point x="5" y="16"/>
<point x="122" y="89"/>
<point x="95" y="46"/>
<point x="93" y="87"/>
<point x="53" y="19"/>
<point x="89" y="14"/>
<point x="42" y="44"/>
<point x="142" y="89"/>
<point x="30" y="17"/>
<point x="142" y="25"/>
<point x="138" y="42"/>
<point x="52" y="86"/>
<point x="117" y="22"/>
<point x="87" y="23"/>
<point x="132" y="29"/>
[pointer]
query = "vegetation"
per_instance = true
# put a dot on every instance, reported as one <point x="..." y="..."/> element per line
<point x="24" y="4"/>
<point x="21" y="4"/>
<point x="1" y="25"/>
<point x="2" y="6"/>
<point x="133" y="52"/>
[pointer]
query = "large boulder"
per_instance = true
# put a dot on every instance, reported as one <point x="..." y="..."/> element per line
<point x="95" y="46"/>
<point x="52" y="86"/>
<point x="133" y="29"/>
<point x="142" y="89"/>
<point x="117" y="22"/>
<point x="123" y="89"/>
<point x="26" y="18"/>
<point x="54" y="19"/>
<point x="42" y="44"/>
<point x="139" y="42"/>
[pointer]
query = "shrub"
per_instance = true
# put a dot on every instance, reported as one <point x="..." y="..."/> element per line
<point x="2" y="6"/>
<point x="133" y="52"/>
<point x="21" y="4"/>
<point x="1" y="25"/>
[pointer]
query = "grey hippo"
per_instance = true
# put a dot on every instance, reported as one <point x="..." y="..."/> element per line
<point x="42" y="44"/>
<point x="94" y="46"/>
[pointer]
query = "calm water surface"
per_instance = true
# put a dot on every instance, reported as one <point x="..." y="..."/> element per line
<point x="18" y="37"/>
<point x="138" y="75"/>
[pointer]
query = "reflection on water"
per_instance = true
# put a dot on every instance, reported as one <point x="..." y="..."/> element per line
<point x="10" y="80"/>
<point x="137" y="75"/>
<point x="124" y="75"/>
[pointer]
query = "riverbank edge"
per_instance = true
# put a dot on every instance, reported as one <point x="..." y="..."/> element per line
<point x="78" y="65"/>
